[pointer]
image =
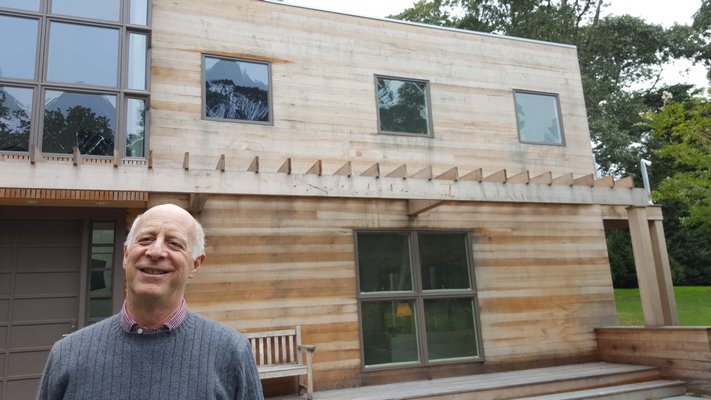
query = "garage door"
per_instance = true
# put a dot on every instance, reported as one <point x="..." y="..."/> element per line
<point x="40" y="263"/>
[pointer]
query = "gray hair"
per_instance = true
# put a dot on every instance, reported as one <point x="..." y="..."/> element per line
<point x="198" y="244"/>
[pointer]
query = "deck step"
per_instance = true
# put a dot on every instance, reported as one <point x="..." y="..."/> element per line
<point x="634" y="391"/>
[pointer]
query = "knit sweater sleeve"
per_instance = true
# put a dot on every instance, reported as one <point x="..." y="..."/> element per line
<point x="250" y="387"/>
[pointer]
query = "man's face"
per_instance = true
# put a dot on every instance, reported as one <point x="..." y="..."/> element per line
<point x="158" y="261"/>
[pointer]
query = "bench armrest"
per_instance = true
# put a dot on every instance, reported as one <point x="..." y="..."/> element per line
<point x="308" y="347"/>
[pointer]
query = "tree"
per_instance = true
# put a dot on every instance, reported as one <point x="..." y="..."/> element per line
<point x="80" y="127"/>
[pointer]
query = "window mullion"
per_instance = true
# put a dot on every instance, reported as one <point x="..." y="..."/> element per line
<point x="421" y="328"/>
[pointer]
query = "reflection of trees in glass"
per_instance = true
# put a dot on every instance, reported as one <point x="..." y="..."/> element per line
<point x="542" y="126"/>
<point x="225" y="99"/>
<point x="14" y="124"/>
<point x="80" y="127"/>
<point x="402" y="106"/>
<point x="136" y="128"/>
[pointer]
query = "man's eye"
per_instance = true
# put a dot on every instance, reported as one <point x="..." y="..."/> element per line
<point x="176" y="245"/>
<point x="146" y="240"/>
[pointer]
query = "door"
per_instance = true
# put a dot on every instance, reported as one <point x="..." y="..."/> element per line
<point x="40" y="288"/>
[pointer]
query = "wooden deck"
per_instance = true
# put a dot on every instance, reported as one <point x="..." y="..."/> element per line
<point x="598" y="380"/>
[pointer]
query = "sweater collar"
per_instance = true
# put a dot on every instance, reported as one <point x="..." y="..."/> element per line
<point x="128" y="324"/>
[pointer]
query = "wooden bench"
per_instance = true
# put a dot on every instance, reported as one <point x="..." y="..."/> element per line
<point x="279" y="354"/>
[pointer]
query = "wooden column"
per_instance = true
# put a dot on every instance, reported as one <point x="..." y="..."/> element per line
<point x="652" y="266"/>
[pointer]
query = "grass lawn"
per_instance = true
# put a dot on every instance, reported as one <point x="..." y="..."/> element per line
<point x="693" y="305"/>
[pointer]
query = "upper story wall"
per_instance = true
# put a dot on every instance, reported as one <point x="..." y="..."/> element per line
<point x="323" y="68"/>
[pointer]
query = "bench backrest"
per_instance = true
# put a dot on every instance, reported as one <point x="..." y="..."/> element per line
<point x="276" y="347"/>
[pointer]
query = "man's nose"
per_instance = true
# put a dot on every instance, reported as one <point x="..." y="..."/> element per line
<point x="157" y="249"/>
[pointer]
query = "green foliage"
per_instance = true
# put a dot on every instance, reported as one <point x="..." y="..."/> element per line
<point x="80" y="127"/>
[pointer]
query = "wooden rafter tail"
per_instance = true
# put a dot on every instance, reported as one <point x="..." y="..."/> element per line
<point x="399" y="172"/>
<point x="496" y="177"/>
<point x="565" y="179"/>
<point x="477" y="175"/>
<point x="316" y="169"/>
<point x="626" y="182"/>
<point x="345" y="170"/>
<point x="116" y="158"/>
<point x="186" y="161"/>
<point x="76" y="156"/>
<point x="521" y="177"/>
<point x="424" y="173"/>
<point x="605" y="181"/>
<point x="254" y="165"/>
<point x="451" y="174"/>
<point x="373" y="171"/>
<point x="417" y="207"/>
<point x="221" y="163"/>
<point x="545" y="178"/>
<point x="586" y="180"/>
<point x="149" y="164"/>
<point x="35" y="155"/>
<point x="286" y="167"/>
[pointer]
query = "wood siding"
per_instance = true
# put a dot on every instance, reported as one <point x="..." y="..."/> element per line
<point x="273" y="262"/>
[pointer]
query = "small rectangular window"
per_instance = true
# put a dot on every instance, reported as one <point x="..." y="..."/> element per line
<point x="538" y="118"/>
<point x="15" y="118"/>
<point x="137" y="55"/>
<point x="237" y="90"/>
<point x="139" y="12"/>
<point x="101" y="285"/>
<point x="135" y="127"/>
<point x="18" y="45"/>
<point x="29" y="5"/>
<point x="95" y="9"/>
<point x="403" y="106"/>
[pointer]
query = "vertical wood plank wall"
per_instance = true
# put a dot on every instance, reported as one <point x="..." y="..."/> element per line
<point x="542" y="274"/>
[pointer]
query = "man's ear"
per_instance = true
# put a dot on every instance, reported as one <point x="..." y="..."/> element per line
<point x="125" y="255"/>
<point x="196" y="265"/>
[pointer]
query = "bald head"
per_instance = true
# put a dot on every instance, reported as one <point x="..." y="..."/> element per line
<point x="173" y="212"/>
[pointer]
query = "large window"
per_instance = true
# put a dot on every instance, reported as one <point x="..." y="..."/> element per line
<point x="77" y="77"/>
<point x="538" y="118"/>
<point x="403" y="106"/>
<point x="417" y="298"/>
<point x="237" y="90"/>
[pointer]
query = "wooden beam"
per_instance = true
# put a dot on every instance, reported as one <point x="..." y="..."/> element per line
<point x="565" y="179"/>
<point x="221" y="163"/>
<point x="345" y="170"/>
<point x="497" y="177"/>
<point x="424" y="173"/>
<point x="545" y="178"/>
<point x="186" y="161"/>
<point x="522" y="177"/>
<point x="316" y="169"/>
<point x="417" y="207"/>
<point x="626" y="182"/>
<point x="197" y="202"/>
<point x="254" y="165"/>
<point x="35" y="155"/>
<point x="373" y="171"/>
<point x="399" y="172"/>
<point x="286" y="167"/>
<point x="76" y="156"/>
<point x="149" y="164"/>
<point x="116" y="158"/>
<point x="475" y="175"/>
<point x="587" y="180"/>
<point x="605" y="181"/>
<point x="450" y="175"/>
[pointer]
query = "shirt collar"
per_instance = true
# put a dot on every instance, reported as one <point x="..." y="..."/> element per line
<point x="128" y="324"/>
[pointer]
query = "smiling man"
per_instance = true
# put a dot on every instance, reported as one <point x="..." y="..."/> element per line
<point x="155" y="348"/>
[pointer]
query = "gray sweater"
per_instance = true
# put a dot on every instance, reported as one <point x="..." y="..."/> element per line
<point x="200" y="359"/>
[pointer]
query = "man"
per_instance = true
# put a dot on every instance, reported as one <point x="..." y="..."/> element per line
<point x="155" y="348"/>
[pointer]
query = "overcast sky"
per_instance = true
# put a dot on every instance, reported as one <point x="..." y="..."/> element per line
<point x="664" y="12"/>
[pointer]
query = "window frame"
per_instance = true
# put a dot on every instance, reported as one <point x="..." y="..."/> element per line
<point x="418" y="295"/>
<point x="559" y="115"/>
<point x="39" y="83"/>
<point x="428" y="104"/>
<point x="267" y="64"/>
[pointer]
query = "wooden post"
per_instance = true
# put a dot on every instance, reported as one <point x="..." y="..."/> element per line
<point x="664" y="278"/>
<point x="648" y="278"/>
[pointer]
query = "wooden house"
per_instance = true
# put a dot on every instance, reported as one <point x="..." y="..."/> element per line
<point x="422" y="201"/>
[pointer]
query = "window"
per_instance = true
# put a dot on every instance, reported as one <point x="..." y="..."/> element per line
<point x="101" y="272"/>
<point x="403" y="106"/>
<point x="237" y="90"/>
<point x="538" y="118"/>
<point x="80" y="67"/>
<point x="417" y="298"/>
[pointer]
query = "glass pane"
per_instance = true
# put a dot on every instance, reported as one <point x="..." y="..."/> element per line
<point x="103" y="233"/>
<point x="135" y="128"/>
<point x="18" y="37"/>
<point x="95" y="9"/>
<point x="384" y="262"/>
<point x="99" y="309"/>
<point x="30" y="5"/>
<point x="136" y="61"/>
<point x="79" y="119"/>
<point x="100" y="279"/>
<point x="236" y="90"/>
<point x="15" y="118"/>
<point x="139" y="12"/>
<point x="403" y="106"/>
<point x="450" y="329"/>
<point x="537" y="116"/>
<point x="444" y="261"/>
<point x="389" y="334"/>
<point x="85" y="55"/>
